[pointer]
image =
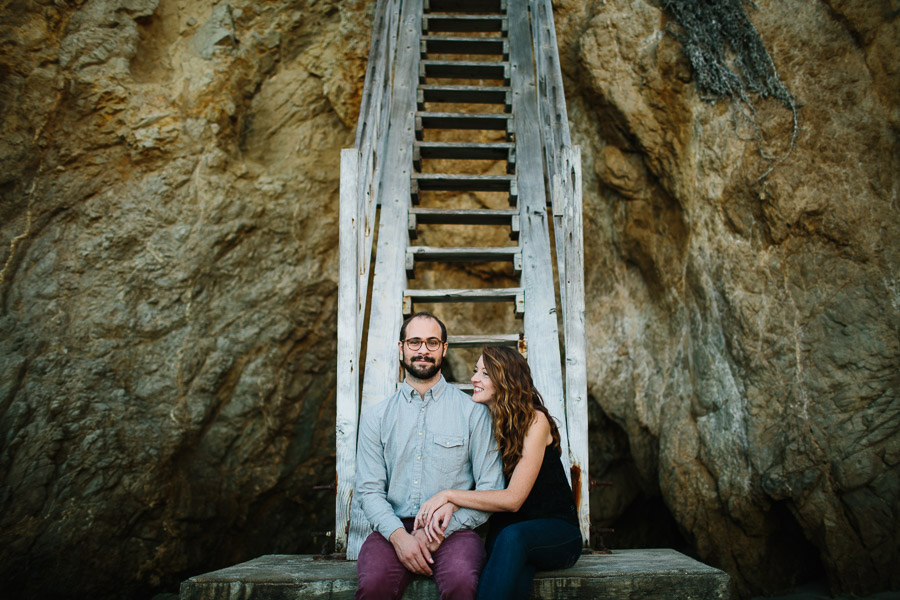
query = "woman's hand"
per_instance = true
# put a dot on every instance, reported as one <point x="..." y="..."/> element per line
<point x="426" y="511"/>
<point x="440" y="519"/>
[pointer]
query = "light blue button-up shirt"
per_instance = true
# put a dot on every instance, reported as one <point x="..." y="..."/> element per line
<point x="412" y="447"/>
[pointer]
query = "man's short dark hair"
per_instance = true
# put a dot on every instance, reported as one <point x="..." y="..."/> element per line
<point x="426" y="315"/>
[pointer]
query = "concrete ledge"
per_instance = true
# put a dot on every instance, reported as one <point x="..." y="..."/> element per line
<point x="652" y="574"/>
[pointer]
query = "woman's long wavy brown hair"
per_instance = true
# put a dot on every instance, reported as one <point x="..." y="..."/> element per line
<point x="514" y="403"/>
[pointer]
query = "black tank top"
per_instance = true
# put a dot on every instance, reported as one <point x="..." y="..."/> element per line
<point x="550" y="497"/>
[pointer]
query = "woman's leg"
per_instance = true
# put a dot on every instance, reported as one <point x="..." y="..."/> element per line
<point x="521" y="548"/>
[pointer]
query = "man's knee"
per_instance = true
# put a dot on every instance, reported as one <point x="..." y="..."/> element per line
<point x="378" y="570"/>
<point x="377" y="585"/>
<point x="459" y="565"/>
<point x="460" y="585"/>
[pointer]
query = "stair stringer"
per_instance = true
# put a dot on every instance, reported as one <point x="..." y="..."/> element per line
<point x="541" y="329"/>
<point x="380" y="375"/>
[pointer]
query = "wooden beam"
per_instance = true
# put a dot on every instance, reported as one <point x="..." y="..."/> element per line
<point x="359" y="172"/>
<point x="347" y="386"/>
<point x="574" y="335"/>
<point x="381" y="370"/>
<point x="541" y="327"/>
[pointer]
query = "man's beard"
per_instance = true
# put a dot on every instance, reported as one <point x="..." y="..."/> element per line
<point x="423" y="372"/>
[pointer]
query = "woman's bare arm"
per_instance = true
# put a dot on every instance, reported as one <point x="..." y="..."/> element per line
<point x="507" y="500"/>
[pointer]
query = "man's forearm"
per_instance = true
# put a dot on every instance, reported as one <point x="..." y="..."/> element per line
<point x="380" y="515"/>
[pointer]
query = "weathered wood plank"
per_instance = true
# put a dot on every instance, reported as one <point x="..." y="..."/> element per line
<point x="541" y="327"/>
<point x="371" y="139"/>
<point x="447" y="120"/>
<point x="465" y="150"/>
<point x="416" y="254"/>
<point x="381" y="371"/>
<point x="464" y="216"/>
<point x="464" y="182"/>
<point x="552" y="108"/>
<point x="464" y="295"/>
<point x="651" y="574"/>
<point x="460" y="254"/>
<point x="471" y="94"/>
<point x="463" y="23"/>
<point x="574" y="336"/>
<point x="464" y="45"/>
<point x="358" y="172"/>
<point x="347" y="386"/>
<point x="468" y="6"/>
<point x="515" y="295"/>
<point x="564" y="172"/>
<point x="459" y="69"/>
<point x="485" y="339"/>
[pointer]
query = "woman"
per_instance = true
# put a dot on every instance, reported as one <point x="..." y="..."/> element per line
<point x="537" y="524"/>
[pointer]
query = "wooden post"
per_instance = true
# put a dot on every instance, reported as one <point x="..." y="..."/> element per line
<point x="541" y="329"/>
<point x="574" y="333"/>
<point x="358" y="194"/>
<point x="347" y="400"/>
<point x="563" y="164"/>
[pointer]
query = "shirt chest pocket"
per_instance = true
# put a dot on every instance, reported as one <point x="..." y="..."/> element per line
<point x="450" y="453"/>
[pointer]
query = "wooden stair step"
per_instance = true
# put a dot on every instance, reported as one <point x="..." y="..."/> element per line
<point x="447" y="120"/>
<point x="465" y="151"/>
<point x="470" y="94"/>
<point x="650" y="574"/>
<point x="464" y="23"/>
<point x="464" y="69"/>
<point x="445" y="182"/>
<point x="464" y="216"/>
<point x="463" y="45"/>
<point x="488" y="339"/>
<point x="515" y="295"/>
<point x="416" y="254"/>
<point x="469" y="6"/>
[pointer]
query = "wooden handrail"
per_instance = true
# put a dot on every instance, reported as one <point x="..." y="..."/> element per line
<point x="562" y="164"/>
<point x="360" y="170"/>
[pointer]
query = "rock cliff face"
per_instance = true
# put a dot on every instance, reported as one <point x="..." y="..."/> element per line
<point x="168" y="288"/>
<point x="168" y="227"/>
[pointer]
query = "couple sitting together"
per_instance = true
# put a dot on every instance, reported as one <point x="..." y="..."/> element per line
<point x="433" y="463"/>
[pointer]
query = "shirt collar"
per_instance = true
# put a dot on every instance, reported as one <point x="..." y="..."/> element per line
<point x="437" y="390"/>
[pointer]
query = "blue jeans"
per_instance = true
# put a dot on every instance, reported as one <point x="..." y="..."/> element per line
<point x="518" y="550"/>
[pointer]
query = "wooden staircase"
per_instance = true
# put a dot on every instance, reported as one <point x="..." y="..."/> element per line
<point x="475" y="82"/>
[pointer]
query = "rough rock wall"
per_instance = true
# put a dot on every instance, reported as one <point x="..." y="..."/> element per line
<point x="167" y="237"/>
<point x="169" y="177"/>
<point x="743" y="327"/>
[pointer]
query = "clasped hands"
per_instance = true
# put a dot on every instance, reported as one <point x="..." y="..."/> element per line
<point x="415" y="549"/>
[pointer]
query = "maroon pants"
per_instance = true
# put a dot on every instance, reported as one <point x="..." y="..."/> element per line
<point x="457" y="564"/>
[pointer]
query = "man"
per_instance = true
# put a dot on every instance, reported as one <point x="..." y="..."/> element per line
<point x="426" y="437"/>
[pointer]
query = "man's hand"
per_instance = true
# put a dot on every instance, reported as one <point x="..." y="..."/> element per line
<point x="413" y="551"/>
<point x="430" y="544"/>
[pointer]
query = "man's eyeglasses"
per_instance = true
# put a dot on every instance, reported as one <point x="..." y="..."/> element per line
<point x="431" y="343"/>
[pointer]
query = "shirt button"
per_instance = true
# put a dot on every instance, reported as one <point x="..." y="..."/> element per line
<point x="421" y="410"/>
<point x="418" y="458"/>
<point x="416" y="481"/>
<point x="420" y="433"/>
